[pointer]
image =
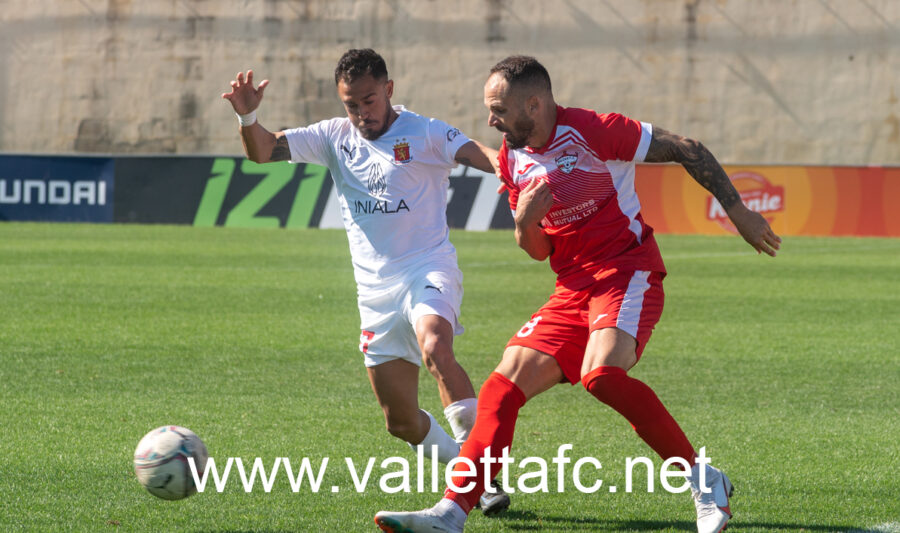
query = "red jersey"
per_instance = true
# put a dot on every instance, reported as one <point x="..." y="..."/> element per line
<point x="595" y="225"/>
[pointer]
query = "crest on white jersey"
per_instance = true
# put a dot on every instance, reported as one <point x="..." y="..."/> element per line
<point x="401" y="151"/>
<point x="377" y="184"/>
<point x="566" y="162"/>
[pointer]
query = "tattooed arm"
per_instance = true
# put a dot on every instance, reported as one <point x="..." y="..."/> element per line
<point x="703" y="167"/>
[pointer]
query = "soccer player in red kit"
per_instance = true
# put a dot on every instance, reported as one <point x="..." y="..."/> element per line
<point x="570" y="176"/>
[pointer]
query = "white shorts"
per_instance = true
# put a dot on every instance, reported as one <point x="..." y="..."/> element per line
<point x="388" y="313"/>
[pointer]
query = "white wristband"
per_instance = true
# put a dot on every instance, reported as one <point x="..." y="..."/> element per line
<point x="248" y="119"/>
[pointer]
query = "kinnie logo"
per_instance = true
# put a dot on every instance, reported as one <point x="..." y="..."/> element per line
<point x="53" y="192"/>
<point x="756" y="192"/>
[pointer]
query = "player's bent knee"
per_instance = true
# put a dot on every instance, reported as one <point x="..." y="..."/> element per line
<point x="437" y="354"/>
<point x="610" y="347"/>
<point x="409" y="430"/>
<point x="532" y="371"/>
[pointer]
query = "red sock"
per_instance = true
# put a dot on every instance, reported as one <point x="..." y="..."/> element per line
<point x="498" y="407"/>
<point x="639" y="405"/>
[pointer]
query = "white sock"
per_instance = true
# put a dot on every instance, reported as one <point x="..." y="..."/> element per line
<point x="450" y="511"/>
<point x="447" y="447"/>
<point x="461" y="416"/>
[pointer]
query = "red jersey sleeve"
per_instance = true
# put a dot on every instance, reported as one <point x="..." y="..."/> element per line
<point x="612" y="136"/>
<point x="506" y="176"/>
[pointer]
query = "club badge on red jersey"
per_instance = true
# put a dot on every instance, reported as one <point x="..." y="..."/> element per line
<point x="566" y="162"/>
<point x="401" y="151"/>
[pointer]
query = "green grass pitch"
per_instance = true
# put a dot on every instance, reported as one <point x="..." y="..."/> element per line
<point x="787" y="370"/>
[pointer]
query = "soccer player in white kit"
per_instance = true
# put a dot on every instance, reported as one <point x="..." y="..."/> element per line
<point x="391" y="171"/>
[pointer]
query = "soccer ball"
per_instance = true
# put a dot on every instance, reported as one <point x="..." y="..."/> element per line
<point x="161" y="461"/>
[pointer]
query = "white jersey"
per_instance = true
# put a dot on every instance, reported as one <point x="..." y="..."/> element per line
<point x="392" y="191"/>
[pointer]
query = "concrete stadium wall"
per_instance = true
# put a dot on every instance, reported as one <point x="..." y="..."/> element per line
<point x="758" y="81"/>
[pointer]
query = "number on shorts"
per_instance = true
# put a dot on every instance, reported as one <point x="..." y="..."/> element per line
<point x="529" y="327"/>
<point x="364" y="340"/>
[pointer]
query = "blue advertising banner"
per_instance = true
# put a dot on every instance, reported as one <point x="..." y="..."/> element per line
<point x="57" y="189"/>
<point x="207" y="191"/>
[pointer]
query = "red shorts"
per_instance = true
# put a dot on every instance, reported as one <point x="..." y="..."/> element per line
<point x="631" y="301"/>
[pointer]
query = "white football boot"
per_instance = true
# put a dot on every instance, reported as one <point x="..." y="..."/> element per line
<point x="426" y="521"/>
<point x="713" y="509"/>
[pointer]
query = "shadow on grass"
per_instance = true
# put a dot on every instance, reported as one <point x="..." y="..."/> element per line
<point x="551" y="523"/>
<point x="568" y="523"/>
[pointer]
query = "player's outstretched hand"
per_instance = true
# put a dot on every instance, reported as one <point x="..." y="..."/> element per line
<point x="244" y="97"/>
<point x="754" y="228"/>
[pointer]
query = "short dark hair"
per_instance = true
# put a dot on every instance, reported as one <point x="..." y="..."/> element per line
<point x="523" y="71"/>
<point x="357" y="63"/>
